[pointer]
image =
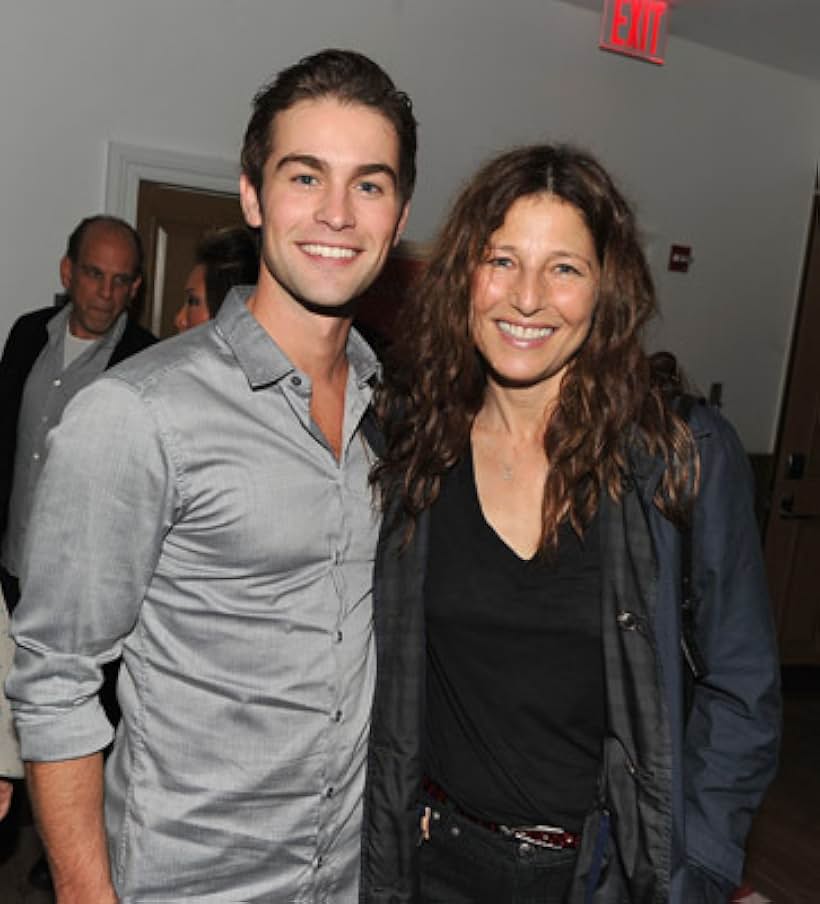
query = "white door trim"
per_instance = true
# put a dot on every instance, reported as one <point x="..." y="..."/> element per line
<point x="127" y="164"/>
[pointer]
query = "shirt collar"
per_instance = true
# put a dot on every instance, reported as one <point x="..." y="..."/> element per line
<point x="56" y="325"/>
<point x="261" y="359"/>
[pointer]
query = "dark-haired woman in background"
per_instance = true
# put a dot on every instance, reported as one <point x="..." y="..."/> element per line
<point x="539" y="488"/>
<point x="224" y="258"/>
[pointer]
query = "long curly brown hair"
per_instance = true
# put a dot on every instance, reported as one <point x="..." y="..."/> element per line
<point x="608" y="396"/>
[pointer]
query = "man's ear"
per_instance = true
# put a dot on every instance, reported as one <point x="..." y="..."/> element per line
<point x="135" y="287"/>
<point x="66" y="272"/>
<point x="249" y="201"/>
<point x="405" y="213"/>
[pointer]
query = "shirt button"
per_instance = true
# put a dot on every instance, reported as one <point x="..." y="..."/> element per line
<point x="337" y="637"/>
<point x="295" y="381"/>
<point x="36" y="456"/>
<point x="337" y="716"/>
<point x="329" y="792"/>
<point x="337" y="557"/>
<point x="58" y="382"/>
<point x="319" y="861"/>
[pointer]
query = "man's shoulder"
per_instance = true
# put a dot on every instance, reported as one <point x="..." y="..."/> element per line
<point x="134" y="339"/>
<point x="32" y="321"/>
<point x="137" y="335"/>
<point x="163" y="365"/>
<point x="26" y="337"/>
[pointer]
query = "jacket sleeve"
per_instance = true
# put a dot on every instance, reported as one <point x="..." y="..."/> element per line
<point x="14" y="368"/>
<point x="732" y="736"/>
<point x="391" y="821"/>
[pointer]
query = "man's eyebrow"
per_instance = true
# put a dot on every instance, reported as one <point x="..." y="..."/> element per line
<point x="370" y="169"/>
<point x="304" y="159"/>
<point x="314" y="163"/>
<point x="93" y="268"/>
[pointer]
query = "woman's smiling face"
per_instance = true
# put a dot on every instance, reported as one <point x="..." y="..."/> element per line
<point x="534" y="293"/>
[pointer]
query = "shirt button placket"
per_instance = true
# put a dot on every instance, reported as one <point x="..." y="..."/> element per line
<point x="337" y="637"/>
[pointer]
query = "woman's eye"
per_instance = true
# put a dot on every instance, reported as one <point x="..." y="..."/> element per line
<point x="502" y="263"/>
<point x="567" y="268"/>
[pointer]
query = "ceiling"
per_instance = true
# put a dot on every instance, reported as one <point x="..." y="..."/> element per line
<point x="780" y="33"/>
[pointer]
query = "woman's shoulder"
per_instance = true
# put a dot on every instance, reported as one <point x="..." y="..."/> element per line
<point x="725" y="469"/>
<point x="713" y="432"/>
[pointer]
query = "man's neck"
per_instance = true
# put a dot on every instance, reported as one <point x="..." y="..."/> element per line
<point x="314" y="343"/>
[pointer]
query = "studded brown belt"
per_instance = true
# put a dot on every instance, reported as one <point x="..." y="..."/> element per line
<point x="542" y="836"/>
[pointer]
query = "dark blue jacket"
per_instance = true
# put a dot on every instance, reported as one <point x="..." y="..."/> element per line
<point x="676" y="795"/>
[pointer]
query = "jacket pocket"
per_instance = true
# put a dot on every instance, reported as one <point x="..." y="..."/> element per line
<point x="616" y="859"/>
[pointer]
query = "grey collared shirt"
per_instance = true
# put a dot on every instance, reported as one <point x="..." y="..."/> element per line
<point x="191" y="515"/>
<point x="49" y="387"/>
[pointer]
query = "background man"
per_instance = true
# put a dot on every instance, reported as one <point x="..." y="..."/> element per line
<point x="222" y="536"/>
<point x="51" y="354"/>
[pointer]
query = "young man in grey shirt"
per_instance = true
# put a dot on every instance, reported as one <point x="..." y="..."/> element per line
<point x="205" y="512"/>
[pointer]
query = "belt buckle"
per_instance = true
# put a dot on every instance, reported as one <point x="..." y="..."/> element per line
<point x="524" y="833"/>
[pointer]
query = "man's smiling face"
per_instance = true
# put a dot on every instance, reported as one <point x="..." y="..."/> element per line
<point x="329" y="208"/>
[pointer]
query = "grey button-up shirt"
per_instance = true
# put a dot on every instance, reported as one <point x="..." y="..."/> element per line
<point x="192" y="516"/>
<point x="49" y="388"/>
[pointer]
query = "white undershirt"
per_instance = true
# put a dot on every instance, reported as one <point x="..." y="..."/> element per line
<point x="74" y="346"/>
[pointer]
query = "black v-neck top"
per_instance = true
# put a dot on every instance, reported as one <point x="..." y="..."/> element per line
<point x="515" y="685"/>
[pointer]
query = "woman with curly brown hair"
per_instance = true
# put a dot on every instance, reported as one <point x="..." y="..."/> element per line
<point x="535" y="734"/>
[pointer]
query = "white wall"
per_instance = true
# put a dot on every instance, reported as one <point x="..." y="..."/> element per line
<point x="716" y="152"/>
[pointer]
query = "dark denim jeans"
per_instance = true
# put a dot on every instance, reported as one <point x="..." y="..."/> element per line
<point x="464" y="863"/>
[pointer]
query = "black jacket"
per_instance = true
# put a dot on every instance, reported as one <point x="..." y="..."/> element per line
<point x="676" y="796"/>
<point x="25" y="341"/>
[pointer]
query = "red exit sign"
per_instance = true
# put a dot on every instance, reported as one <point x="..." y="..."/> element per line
<point x="636" y="28"/>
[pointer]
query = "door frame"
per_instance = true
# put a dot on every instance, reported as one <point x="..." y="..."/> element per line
<point x="128" y="164"/>
<point x="794" y="325"/>
<point x="780" y="541"/>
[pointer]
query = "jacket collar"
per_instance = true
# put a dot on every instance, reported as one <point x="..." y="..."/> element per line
<point x="645" y="470"/>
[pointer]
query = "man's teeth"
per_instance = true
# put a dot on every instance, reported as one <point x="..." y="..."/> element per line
<point x="329" y="251"/>
<point x="525" y="332"/>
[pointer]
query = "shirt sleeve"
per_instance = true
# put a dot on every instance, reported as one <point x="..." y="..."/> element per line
<point x="10" y="765"/>
<point x="732" y="736"/>
<point x="102" y="506"/>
